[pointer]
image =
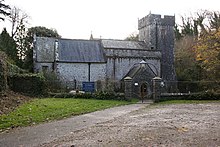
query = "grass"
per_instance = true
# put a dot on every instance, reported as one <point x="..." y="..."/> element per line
<point x="188" y="101"/>
<point x="47" y="109"/>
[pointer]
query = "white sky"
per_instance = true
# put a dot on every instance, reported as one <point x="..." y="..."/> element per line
<point x="110" y="19"/>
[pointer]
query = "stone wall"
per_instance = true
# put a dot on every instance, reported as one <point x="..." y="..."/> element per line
<point x="39" y="66"/>
<point x="44" y="53"/>
<point x="44" y="49"/>
<point x="158" y="33"/>
<point x="80" y="72"/>
<point x="97" y="71"/>
<point x="120" y="61"/>
<point x="143" y="77"/>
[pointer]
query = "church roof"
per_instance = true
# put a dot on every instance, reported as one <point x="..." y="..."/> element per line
<point x="87" y="51"/>
<point x="132" y="72"/>
<point x="123" y="44"/>
<point x="80" y="51"/>
<point x="138" y="68"/>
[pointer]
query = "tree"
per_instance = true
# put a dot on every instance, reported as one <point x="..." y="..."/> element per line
<point x="19" y="21"/>
<point x="8" y="45"/>
<point x="208" y="53"/>
<point x="187" y="27"/>
<point x="132" y="37"/>
<point x="39" y="31"/>
<point x="187" y="68"/>
<point x="177" y="33"/>
<point x="202" y="49"/>
<point x="207" y="46"/>
<point x="20" y="38"/>
<point x="215" y="21"/>
<point x="17" y="18"/>
<point x="3" y="10"/>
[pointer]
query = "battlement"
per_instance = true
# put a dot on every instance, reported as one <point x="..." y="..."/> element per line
<point x="156" y="19"/>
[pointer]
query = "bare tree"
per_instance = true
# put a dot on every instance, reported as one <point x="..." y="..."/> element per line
<point x="17" y="18"/>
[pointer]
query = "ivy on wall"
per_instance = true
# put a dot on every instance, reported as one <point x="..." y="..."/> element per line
<point x="18" y="80"/>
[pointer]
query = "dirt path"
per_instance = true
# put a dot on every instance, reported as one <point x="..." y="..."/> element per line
<point x="177" y="125"/>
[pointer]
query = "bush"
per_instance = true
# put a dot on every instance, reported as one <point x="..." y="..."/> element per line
<point x="98" y="95"/>
<point x="208" y="95"/>
<point x="52" y="82"/>
<point x="205" y="96"/>
<point x="29" y="84"/>
<point x="61" y="95"/>
<point x="3" y="71"/>
<point x="109" y="96"/>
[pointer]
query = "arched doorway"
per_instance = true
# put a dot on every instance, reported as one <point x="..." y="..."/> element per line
<point x="143" y="91"/>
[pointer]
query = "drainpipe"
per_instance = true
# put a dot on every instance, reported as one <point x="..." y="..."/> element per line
<point x="156" y="43"/>
<point x="114" y="67"/>
<point x="89" y="70"/>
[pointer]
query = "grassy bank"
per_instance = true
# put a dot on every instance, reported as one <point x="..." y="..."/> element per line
<point x="41" y="110"/>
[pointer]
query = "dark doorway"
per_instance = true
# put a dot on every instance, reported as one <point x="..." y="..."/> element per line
<point x="143" y="91"/>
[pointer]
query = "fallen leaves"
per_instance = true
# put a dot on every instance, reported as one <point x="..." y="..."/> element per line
<point x="182" y="129"/>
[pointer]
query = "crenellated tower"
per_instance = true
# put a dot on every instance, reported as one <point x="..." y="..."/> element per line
<point x="158" y="33"/>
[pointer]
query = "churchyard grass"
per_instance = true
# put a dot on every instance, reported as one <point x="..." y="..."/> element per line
<point x="48" y="109"/>
<point x="188" y="101"/>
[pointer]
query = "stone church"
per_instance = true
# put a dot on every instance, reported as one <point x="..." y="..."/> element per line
<point x="106" y="59"/>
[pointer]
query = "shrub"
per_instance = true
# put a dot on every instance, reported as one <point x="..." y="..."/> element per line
<point x="61" y="95"/>
<point x="98" y="95"/>
<point x="29" y="84"/>
<point x="208" y="95"/>
<point x="52" y="82"/>
<point x="3" y="72"/>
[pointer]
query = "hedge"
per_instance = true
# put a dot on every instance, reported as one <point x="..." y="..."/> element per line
<point x="194" y="96"/>
<point x="3" y="71"/>
<point x="97" y="95"/>
<point x="28" y="84"/>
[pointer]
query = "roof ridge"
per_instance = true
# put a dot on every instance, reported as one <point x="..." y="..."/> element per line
<point x="70" y="39"/>
<point x="121" y="40"/>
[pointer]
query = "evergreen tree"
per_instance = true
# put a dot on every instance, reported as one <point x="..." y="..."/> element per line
<point x="8" y="45"/>
<point x="177" y="33"/>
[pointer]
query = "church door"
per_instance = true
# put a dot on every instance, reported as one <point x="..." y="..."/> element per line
<point x="143" y="90"/>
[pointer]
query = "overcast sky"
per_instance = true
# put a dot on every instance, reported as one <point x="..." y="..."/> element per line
<point x="110" y="19"/>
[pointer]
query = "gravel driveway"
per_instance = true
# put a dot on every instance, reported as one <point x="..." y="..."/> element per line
<point x="156" y="125"/>
<point x="132" y="125"/>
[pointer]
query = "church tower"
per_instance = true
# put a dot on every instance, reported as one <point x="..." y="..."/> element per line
<point x="158" y="34"/>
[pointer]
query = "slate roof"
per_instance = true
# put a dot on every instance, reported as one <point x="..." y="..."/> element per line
<point x="132" y="72"/>
<point x="81" y="51"/>
<point x="123" y="44"/>
<point x="137" y="68"/>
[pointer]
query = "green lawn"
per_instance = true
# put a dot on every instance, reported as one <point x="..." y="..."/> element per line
<point x="41" y="110"/>
<point x="188" y="101"/>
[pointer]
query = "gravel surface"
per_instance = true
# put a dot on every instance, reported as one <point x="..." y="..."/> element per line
<point x="156" y="125"/>
<point x="47" y="132"/>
